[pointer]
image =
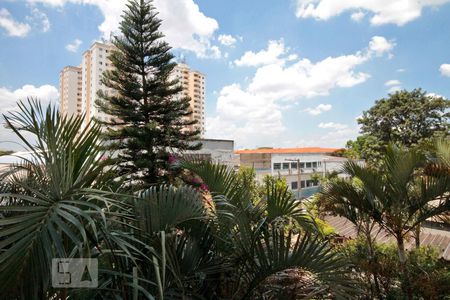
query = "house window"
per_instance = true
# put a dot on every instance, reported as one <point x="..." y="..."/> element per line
<point x="303" y="183"/>
<point x="302" y="165"/>
<point x="311" y="183"/>
<point x="294" y="165"/>
<point x="276" y="166"/>
<point x="294" y="185"/>
<point x="285" y="166"/>
<point x="308" y="165"/>
<point x="314" y="164"/>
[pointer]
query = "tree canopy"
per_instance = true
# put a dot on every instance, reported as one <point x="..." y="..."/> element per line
<point x="149" y="118"/>
<point x="410" y="118"/>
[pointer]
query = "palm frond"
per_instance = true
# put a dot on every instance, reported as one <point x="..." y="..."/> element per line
<point x="221" y="181"/>
<point x="276" y="250"/>
<point x="281" y="203"/>
<point x="165" y="207"/>
<point x="48" y="204"/>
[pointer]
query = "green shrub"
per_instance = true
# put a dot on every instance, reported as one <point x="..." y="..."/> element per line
<point x="430" y="275"/>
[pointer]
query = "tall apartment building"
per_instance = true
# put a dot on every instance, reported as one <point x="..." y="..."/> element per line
<point x="194" y="86"/>
<point x="70" y="82"/>
<point x="95" y="61"/>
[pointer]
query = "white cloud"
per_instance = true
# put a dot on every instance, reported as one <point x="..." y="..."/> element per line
<point x="336" y="135"/>
<point x="74" y="46"/>
<point x="275" y="49"/>
<point x="332" y="125"/>
<point x="332" y="138"/>
<point x="8" y="98"/>
<point x="39" y="19"/>
<point x="397" y="12"/>
<point x="445" y="69"/>
<point x="12" y="27"/>
<point x="394" y="85"/>
<point x="394" y="89"/>
<point x="401" y="70"/>
<point x="214" y="52"/>
<point x="242" y="114"/>
<point x="318" y="109"/>
<point x="392" y="82"/>
<point x="380" y="45"/>
<point x="357" y="16"/>
<point x="186" y="27"/>
<point x="305" y="78"/>
<point x="253" y="114"/>
<point x="227" y="39"/>
<point x="183" y="24"/>
<point x="292" y="57"/>
<point x="434" y="95"/>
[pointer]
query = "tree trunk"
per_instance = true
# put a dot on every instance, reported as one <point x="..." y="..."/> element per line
<point x="404" y="267"/>
<point x="372" y="261"/>
<point x="417" y="236"/>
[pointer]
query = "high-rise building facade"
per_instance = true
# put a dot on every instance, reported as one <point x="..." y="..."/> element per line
<point x="95" y="61"/>
<point x="194" y="86"/>
<point x="70" y="93"/>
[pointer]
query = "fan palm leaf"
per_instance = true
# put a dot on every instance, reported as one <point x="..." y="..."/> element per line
<point x="48" y="205"/>
<point x="275" y="250"/>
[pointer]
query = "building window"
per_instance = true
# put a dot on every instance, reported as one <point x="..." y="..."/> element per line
<point x="311" y="183"/>
<point x="308" y="165"/>
<point x="314" y="164"/>
<point x="302" y="165"/>
<point x="302" y="184"/>
<point x="294" y="185"/>
<point x="285" y="166"/>
<point x="294" y="165"/>
<point x="276" y="166"/>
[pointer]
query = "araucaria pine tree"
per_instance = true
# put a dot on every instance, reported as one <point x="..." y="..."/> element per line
<point x="148" y="119"/>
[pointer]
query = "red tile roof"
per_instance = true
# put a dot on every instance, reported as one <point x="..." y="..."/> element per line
<point x="287" y="150"/>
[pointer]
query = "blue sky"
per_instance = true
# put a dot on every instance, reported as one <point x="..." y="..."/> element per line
<point x="279" y="73"/>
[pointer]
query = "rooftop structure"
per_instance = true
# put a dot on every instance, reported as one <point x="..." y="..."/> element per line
<point x="297" y="165"/>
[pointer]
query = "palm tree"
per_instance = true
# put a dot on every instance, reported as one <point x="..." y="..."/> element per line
<point x="350" y="200"/>
<point x="259" y="244"/>
<point x="163" y="242"/>
<point x="52" y="204"/>
<point x="398" y="197"/>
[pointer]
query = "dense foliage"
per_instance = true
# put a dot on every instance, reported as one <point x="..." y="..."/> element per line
<point x="409" y="118"/>
<point x="406" y="190"/>
<point x="175" y="242"/>
<point x="146" y="113"/>
<point x="212" y="232"/>
<point x="429" y="275"/>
